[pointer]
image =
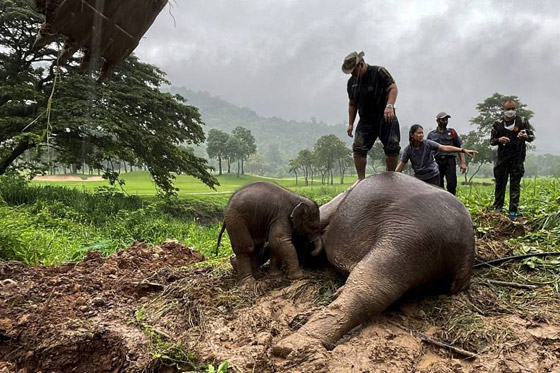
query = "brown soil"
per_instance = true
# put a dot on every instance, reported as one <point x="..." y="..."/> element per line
<point x="156" y="309"/>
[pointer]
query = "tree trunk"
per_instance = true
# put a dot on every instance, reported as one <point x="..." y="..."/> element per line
<point x="238" y="168"/>
<point x="18" y="150"/>
<point x="220" y="164"/>
<point x="242" y="171"/>
<point x="473" y="175"/>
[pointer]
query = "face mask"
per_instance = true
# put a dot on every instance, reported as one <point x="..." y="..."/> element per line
<point x="509" y="113"/>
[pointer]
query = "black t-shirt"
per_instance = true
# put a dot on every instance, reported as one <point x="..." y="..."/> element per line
<point x="370" y="93"/>
<point x="447" y="137"/>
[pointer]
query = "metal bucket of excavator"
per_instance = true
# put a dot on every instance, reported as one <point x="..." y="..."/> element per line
<point x="107" y="29"/>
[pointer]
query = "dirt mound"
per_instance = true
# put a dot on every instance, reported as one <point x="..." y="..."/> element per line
<point x="144" y="309"/>
<point x="492" y="231"/>
<point x="76" y="317"/>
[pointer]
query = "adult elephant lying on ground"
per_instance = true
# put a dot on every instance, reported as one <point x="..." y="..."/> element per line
<point x="263" y="212"/>
<point x="391" y="233"/>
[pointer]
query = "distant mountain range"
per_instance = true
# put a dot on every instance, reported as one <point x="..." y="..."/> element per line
<point x="288" y="136"/>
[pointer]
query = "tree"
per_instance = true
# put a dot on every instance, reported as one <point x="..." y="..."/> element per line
<point x="343" y="158"/>
<point x="216" y="144"/>
<point x="328" y="150"/>
<point x="488" y="112"/>
<point x="234" y="151"/>
<point x="325" y="156"/>
<point x="476" y="140"/>
<point x="306" y="160"/>
<point x="53" y="109"/>
<point x="247" y="141"/>
<point x="294" y="165"/>
<point x="491" y="109"/>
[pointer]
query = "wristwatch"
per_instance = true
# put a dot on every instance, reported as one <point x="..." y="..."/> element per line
<point x="390" y="106"/>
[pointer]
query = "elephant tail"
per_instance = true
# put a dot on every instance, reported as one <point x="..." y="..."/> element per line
<point x="220" y="237"/>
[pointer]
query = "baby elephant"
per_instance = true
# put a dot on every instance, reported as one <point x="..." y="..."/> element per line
<point x="263" y="212"/>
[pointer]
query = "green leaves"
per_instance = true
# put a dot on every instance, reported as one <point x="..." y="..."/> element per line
<point x="125" y="119"/>
<point x="222" y="368"/>
<point x="491" y="109"/>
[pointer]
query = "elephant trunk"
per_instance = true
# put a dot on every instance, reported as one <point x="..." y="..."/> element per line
<point x="328" y="210"/>
<point x="318" y="242"/>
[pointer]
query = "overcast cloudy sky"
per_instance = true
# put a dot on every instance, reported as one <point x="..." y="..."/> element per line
<point x="283" y="57"/>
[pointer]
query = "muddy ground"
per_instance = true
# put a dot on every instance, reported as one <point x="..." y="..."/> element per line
<point x="164" y="309"/>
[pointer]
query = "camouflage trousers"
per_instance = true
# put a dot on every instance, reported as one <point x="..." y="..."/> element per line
<point x="514" y="170"/>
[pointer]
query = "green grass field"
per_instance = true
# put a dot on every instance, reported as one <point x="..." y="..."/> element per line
<point x="139" y="183"/>
<point x="53" y="222"/>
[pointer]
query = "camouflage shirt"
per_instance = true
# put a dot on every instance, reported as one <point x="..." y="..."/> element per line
<point x="515" y="148"/>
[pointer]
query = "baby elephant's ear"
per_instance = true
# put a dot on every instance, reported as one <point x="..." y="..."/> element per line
<point x="298" y="214"/>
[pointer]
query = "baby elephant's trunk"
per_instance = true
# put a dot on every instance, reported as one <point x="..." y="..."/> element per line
<point x="318" y="242"/>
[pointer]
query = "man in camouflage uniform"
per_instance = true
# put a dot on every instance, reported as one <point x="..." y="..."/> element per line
<point x="510" y="133"/>
<point x="372" y="93"/>
<point x="446" y="161"/>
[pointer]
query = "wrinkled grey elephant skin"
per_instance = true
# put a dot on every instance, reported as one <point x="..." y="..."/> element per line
<point x="390" y="234"/>
<point x="263" y="212"/>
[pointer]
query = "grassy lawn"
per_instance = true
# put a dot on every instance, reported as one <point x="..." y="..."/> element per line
<point x="49" y="222"/>
<point x="140" y="183"/>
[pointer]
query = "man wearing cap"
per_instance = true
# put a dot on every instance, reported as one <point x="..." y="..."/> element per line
<point x="510" y="133"/>
<point x="446" y="161"/>
<point x="372" y="93"/>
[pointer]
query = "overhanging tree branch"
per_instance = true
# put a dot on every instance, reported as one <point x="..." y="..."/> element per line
<point x="16" y="152"/>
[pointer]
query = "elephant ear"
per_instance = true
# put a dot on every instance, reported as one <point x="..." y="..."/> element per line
<point x="297" y="216"/>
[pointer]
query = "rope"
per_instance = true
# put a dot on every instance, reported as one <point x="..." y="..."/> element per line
<point x="48" y="130"/>
<point x="508" y="258"/>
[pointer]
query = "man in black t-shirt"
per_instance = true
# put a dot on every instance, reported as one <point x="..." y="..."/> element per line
<point x="372" y="93"/>
<point x="510" y="133"/>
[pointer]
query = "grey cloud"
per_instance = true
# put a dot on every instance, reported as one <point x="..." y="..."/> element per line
<point x="282" y="58"/>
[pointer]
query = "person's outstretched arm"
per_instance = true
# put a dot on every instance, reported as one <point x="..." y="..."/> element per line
<point x="454" y="149"/>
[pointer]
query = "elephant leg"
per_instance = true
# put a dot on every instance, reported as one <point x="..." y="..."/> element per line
<point x="275" y="264"/>
<point x="243" y="247"/>
<point x="371" y="287"/>
<point x="259" y="257"/>
<point x="281" y="248"/>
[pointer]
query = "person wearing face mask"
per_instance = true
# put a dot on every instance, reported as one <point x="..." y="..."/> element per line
<point x="510" y="133"/>
<point x="372" y="93"/>
<point x="446" y="161"/>
<point x="420" y="152"/>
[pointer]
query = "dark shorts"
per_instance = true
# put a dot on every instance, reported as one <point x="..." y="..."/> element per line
<point x="434" y="180"/>
<point x="367" y="132"/>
